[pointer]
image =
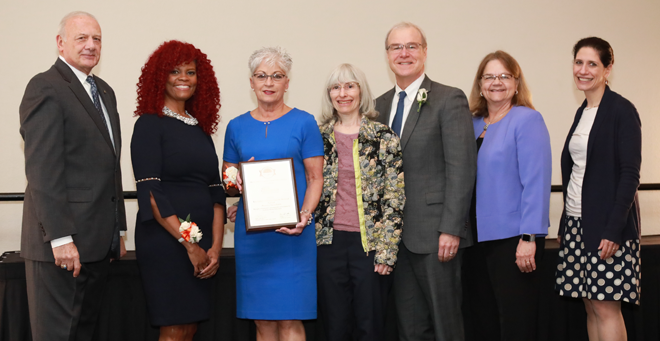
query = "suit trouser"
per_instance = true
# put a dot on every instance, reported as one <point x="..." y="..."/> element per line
<point x="501" y="302"/>
<point x="352" y="297"/>
<point x="428" y="297"/>
<point x="64" y="308"/>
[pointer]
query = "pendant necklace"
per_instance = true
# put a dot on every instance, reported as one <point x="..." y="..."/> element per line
<point x="267" y="124"/>
<point x="491" y="121"/>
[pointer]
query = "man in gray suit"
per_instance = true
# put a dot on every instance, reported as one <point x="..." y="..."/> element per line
<point x="439" y="163"/>
<point x="74" y="206"/>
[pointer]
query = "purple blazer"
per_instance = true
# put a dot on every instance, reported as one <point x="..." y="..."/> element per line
<point x="514" y="167"/>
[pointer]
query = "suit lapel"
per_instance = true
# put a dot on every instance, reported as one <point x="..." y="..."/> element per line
<point x="413" y="115"/>
<point x="578" y="116"/>
<point x="80" y="93"/>
<point x="112" y="115"/>
<point x="384" y="115"/>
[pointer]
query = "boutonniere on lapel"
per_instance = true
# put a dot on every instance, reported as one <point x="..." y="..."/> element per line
<point x="422" y="95"/>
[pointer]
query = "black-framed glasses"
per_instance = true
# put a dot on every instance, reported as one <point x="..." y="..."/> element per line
<point x="411" y="47"/>
<point x="348" y="86"/>
<point x="489" y="77"/>
<point x="262" y="77"/>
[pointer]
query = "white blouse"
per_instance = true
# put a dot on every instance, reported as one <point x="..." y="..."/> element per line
<point x="578" y="149"/>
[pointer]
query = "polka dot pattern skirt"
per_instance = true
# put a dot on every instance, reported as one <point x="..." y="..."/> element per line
<point x="583" y="274"/>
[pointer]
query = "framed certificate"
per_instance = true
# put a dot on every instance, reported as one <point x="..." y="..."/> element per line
<point x="270" y="198"/>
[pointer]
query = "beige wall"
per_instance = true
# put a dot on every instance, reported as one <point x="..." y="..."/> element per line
<point x="319" y="36"/>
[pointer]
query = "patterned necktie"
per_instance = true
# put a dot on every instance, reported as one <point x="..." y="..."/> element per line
<point x="398" y="117"/>
<point x="97" y="101"/>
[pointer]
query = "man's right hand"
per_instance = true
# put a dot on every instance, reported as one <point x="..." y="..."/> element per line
<point x="67" y="255"/>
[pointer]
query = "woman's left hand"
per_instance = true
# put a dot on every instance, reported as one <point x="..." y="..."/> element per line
<point x="383" y="269"/>
<point x="304" y="219"/>
<point x="607" y="248"/>
<point x="214" y="263"/>
<point x="525" y="256"/>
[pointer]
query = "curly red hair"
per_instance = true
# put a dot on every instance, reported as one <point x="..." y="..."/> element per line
<point x="204" y="105"/>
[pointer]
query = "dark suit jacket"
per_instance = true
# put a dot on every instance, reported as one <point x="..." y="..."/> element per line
<point x="439" y="163"/>
<point x="73" y="172"/>
<point x="610" y="209"/>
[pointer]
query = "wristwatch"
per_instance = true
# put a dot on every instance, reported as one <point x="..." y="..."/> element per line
<point x="528" y="237"/>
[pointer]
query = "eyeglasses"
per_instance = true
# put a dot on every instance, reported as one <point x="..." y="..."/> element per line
<point x="412" y="47"/>
<point x="489" y="78"/>
<point x="262" y="77"/>
<point x="335" y="89"/>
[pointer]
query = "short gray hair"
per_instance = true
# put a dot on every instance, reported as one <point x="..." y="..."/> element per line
<point x="405" y="24"/>
<point x="345" y="73"/>
<point x="62" y="28"/>
<point x="270" y="56"/>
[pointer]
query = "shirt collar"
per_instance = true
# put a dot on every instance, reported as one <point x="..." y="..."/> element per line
<point x="411" y="90"/>
<point x="79" y="74"/>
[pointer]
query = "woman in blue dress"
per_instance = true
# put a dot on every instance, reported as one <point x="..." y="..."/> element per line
<point x="276" y="269"/>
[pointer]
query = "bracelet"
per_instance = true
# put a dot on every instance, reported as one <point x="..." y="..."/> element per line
<point x="181" y="240"/>
<point x="309" y="220"/>
<point x="146" y="179"/>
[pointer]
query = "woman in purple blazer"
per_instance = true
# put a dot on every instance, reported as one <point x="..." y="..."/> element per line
<point x="509" y="214"/>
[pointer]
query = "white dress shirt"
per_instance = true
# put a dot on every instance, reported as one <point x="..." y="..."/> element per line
<point x="411" y="98"/>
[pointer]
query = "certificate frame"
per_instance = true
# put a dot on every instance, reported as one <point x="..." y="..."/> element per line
<point x="270" y="194"/>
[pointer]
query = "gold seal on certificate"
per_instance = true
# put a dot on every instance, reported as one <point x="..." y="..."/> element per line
<point x="270" y="199"/>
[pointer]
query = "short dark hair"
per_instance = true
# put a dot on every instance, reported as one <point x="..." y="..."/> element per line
<point x="601" y="46"/>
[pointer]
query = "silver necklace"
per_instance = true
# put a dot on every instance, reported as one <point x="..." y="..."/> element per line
<point x="491" y="121"/>
<point x="191" y="121"/>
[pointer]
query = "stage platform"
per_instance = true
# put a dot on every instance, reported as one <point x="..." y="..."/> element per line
<point x="124" y="314"/>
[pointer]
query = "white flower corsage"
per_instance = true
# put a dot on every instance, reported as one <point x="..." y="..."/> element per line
<point x="229" y="177"/>
<point x="422" y="95"/>
<point x="190" y="232"/>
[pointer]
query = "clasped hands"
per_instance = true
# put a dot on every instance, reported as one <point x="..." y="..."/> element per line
<point x="206" y="264"/>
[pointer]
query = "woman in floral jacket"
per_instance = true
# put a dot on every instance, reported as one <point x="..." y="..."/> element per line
<point x="360" y="215"/>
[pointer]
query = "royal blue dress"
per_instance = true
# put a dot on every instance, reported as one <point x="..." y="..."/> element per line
<point x="275" y="273"/>
<point x="184" y="177"/>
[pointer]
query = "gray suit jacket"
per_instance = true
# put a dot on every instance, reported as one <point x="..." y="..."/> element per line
<point x="73" y="172"/>
<point x="439" y="163"/>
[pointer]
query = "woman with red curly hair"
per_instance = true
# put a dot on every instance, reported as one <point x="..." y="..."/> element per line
<point x="177" y="176"/>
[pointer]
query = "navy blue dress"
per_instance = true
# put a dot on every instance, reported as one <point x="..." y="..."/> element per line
<point x="275" y="273"/>
<point x="183" y="159"/>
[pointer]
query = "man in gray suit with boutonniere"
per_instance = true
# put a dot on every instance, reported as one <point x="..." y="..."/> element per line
<point x="74" y="206"/>
<point x="439" y="163"/>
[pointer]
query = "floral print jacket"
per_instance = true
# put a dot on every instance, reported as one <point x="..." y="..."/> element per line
<point x="379" y="186"/>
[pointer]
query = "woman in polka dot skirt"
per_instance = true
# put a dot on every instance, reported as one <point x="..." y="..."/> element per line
<point x="600" y="231"/>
